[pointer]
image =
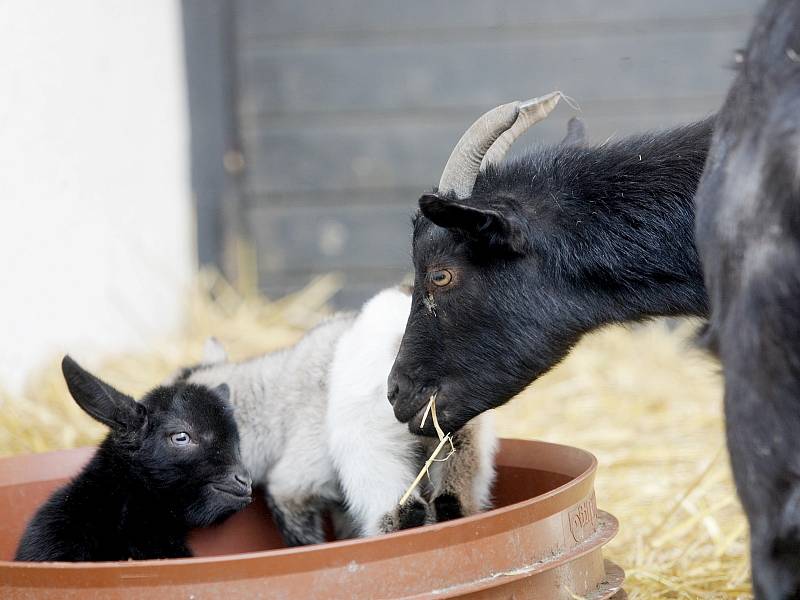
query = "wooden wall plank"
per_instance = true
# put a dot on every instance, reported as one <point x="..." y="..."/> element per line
<point x="262" y="19"/>
<point x="320" y="238"/>
<point x="407" y="153"/>
<point x="429" y="77"/>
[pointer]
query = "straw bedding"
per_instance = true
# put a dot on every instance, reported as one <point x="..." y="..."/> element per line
<point x="641" y="399"/>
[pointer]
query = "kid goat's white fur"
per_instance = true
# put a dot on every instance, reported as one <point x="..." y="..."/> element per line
<point x="318" y="433"/>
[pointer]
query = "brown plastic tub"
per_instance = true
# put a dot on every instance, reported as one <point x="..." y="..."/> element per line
<point x="543" y="541"/>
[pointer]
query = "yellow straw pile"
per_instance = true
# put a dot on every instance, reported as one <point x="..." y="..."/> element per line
<point x="649" y="406"/>
<point x="641" y="399"/>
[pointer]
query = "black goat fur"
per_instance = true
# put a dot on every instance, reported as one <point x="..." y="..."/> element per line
<point x="548" y="247"/>
<point x="141" y="493"/>
<point x="748" y="235"/>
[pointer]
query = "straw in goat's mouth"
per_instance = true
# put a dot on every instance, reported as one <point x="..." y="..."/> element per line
<point x="443" y="440"/>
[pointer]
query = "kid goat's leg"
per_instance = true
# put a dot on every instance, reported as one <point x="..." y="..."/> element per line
<point x="299" y="520"/>
<point x="462" y="484"/>
<point x="374" y="472"/>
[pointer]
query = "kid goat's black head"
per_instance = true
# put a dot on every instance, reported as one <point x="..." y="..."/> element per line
<point x="180" y="442"/>
<point x="514" y="263"/>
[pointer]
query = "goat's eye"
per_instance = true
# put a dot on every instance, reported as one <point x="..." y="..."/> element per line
<point x="180" y="439"/>
<point x="441" y="278"/>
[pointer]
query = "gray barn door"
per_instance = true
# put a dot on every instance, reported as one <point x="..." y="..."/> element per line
<point x="346" y="110"/>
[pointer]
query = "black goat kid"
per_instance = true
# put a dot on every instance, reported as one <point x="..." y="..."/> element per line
<point x="515" y="262"/>
<point x="748" y="235"/>
<point x="170" y="463"/>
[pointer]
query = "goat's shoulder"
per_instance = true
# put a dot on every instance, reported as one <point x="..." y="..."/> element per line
<point x="382" y="316"/>
<point x="78" y="519"/>
<point x="51" y="533"/>
<point x="365" y="352"/>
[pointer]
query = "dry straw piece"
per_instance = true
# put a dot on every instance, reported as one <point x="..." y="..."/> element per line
<point x="443" y="439"/>
<point x="641" y="399"/>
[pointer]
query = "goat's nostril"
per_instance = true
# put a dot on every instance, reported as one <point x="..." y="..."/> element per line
<point x="243" y="480"/>
<point x="394" y="389"/>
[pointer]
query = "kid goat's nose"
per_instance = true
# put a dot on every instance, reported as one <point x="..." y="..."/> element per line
<point x="243" y="481"/>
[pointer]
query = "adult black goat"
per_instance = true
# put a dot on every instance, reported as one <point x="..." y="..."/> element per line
<point x="515" y="262"/>
<point x="748" y="236"/>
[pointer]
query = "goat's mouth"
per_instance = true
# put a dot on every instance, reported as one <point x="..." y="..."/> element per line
<point x="415" y="422"/>
<point x="245" y="496"/>
<point x="412" y="407"/>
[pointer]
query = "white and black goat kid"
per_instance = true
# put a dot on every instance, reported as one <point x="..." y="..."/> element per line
<point x="318" y="434"/>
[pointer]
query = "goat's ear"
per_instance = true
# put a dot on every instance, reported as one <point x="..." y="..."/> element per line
<point x="223" y="392"/>
<point x="101" y="401"/>
<point x="214" y="352"/>
<point x="576" y="133"/>
<point x="486" y="225"/>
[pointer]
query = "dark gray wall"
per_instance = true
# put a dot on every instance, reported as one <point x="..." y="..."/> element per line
<point x="347" y="109"/>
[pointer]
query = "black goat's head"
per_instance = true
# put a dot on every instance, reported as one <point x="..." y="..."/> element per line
<point x="481" y="301"/>
<point x="180" y="442"/>
<point x="514" y="263"/>
<point x="487" y="315"/>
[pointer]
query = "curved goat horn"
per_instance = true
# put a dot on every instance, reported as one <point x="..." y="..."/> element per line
<point x="530" y="112"/>
<point x="462" y="167"/>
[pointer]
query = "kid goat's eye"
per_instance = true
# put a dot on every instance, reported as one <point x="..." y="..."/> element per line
<point x="180" y="439"/>
<point x="441" y="278"/>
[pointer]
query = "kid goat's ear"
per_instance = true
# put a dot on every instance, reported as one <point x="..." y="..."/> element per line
<point x="223" y="392"/>
<point x="485" y="225"/>
<point x="101" y="401"/>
